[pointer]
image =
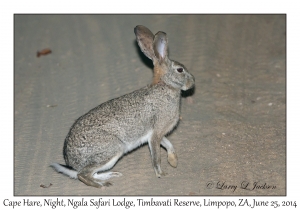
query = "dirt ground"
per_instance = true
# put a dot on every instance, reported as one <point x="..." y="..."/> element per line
<point x="232" y="135"/>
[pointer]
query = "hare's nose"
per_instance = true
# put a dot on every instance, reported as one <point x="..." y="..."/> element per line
<point x="191" y="81"/>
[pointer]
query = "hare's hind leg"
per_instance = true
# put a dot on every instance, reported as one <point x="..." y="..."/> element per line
<point x="91" y="175"/>
<point x="172" y="157"/>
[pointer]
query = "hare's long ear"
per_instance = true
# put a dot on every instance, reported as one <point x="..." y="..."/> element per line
<point x="160" y="45"/>
<point x="145" y="40"/>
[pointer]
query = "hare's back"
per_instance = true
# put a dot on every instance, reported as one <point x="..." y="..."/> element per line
<point x="117" y="115"/>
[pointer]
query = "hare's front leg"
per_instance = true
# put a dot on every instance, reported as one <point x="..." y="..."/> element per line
<point x="154" y="145"/>
<point x="172" y="157"/>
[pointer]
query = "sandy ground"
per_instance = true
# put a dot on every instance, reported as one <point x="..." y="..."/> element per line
<point x="233" y="128"/>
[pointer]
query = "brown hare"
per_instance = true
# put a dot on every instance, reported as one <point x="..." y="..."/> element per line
<point x="99" y="138"/>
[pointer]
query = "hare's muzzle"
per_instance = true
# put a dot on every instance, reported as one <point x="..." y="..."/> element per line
<point x="189" y="82"/>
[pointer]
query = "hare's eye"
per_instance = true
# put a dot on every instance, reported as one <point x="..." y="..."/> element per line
<point x="180" y="70"/>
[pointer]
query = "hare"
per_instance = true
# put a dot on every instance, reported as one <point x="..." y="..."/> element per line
<point x="99" y="138"/>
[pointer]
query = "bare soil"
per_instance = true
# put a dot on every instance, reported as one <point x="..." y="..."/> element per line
<point x="231" y="139"/>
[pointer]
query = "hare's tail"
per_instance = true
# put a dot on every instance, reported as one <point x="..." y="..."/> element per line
<point x="65" y="170"/>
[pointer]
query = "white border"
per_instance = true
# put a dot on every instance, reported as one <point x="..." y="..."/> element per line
<point x="55" y="6"/>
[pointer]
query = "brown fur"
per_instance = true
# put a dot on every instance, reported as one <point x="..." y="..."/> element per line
<point x="99" y="138"/>
<point x="157" y="74"/>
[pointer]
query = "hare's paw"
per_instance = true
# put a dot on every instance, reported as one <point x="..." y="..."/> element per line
<point x="93" y="182"/>
<point x="172" y="159"/>
<point x="90" y="181"/>
<point x="100" y="184"/>
<point x="159" y="173"/>
<point x="106" y="184"/>
<point x="106" y="175"/>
